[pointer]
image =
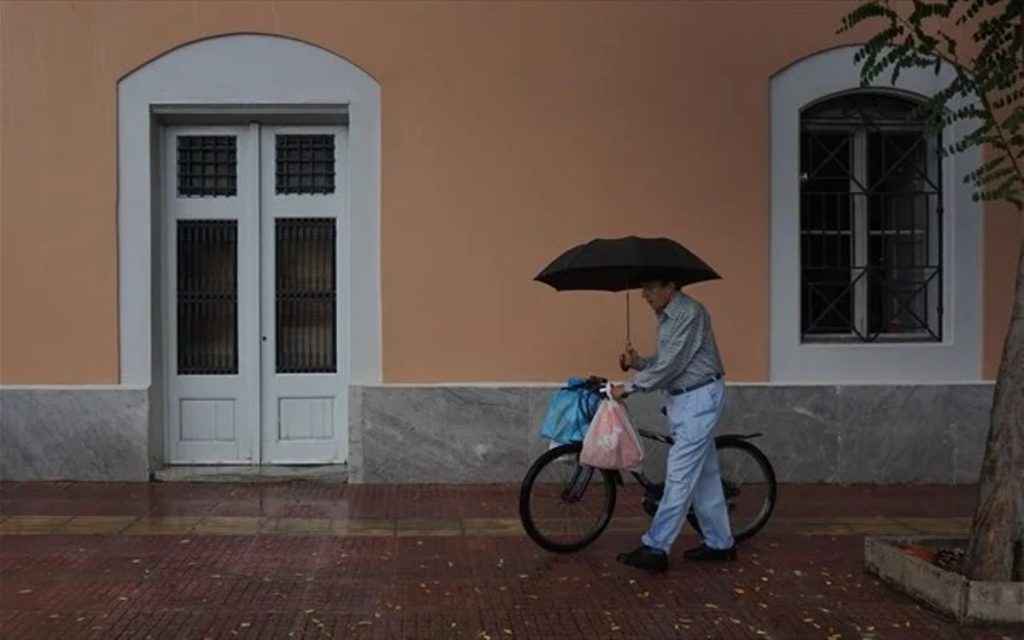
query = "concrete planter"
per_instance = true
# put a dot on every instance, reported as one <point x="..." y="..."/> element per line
<point x="951" y="593"/>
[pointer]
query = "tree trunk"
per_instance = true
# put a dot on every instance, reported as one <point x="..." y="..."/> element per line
<point x="996" y="548"/>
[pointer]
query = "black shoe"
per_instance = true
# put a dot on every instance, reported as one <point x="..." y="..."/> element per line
<point x="644" y="557"/>
<point x="704" y="553"/>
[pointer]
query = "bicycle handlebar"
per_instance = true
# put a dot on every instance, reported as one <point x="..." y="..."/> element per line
<point x="599" y="385"/>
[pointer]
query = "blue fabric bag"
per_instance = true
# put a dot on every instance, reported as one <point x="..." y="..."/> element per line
<point x="570" y="412"/>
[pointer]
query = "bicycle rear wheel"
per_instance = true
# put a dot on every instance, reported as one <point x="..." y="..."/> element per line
<point x="748" y="481"/>
<point x="565" y="505"/>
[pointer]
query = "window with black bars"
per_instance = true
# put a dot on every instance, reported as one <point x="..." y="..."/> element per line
<point x="207" y="166"/>
<point x="207" y="302"/>
<point x="870" y="221"/>
<point x="305" y="164"/>
<point x="306" y="294"/>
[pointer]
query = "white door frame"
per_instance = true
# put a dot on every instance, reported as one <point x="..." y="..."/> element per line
<point x="239" y="75"/>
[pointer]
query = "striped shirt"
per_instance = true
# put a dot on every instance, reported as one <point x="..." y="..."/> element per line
<point x="687" y="353"/>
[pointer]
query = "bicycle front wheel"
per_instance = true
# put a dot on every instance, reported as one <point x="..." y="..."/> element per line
<point x="565" y="505"/>
<point x="748" y="481"/>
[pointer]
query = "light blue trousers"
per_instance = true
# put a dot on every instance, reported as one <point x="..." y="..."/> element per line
<point x="692" y="474"/>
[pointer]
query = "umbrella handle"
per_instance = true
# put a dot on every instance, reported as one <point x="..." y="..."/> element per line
<point x="628" y="341"/>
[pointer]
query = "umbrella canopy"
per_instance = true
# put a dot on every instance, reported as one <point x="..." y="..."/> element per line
<point x="620" y="264"/>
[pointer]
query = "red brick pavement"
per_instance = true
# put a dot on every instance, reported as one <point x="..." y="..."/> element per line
<point x="785" y="586"/>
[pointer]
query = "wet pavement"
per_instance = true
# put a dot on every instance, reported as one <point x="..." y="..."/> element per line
<point x="311" y="560"/>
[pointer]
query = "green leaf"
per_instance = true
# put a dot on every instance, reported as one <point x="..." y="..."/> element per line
<point x="866" y="11"/>
<point x="986" y="93"/>
<point x="991" y="176"/>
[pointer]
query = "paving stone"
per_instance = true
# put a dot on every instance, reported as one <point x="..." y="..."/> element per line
<point x="302" y="561"/>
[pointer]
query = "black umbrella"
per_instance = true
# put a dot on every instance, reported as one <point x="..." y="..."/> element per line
<point x="621" y="264"/>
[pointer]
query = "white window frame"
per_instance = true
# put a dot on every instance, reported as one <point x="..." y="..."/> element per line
<point x="958" y="357"/>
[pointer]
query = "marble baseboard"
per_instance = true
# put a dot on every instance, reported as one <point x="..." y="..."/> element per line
<point x="74" y="434"/>
<point x="831" y="434"/>
<point x="471" y="434"/>
<point x="438" y="434"/>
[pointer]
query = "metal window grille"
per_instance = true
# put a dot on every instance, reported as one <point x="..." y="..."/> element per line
<point x="305" y="164"/>
<point x="207" y="297"/>
<point x="870" y="221"/>
<point x="207" y="166"/>
<point x="306" y="293"/>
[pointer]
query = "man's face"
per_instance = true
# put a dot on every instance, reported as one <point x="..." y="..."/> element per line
<point x="658" y="294"/>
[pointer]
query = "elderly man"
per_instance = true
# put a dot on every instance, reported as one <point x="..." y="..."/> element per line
<point x="687" y="368"/>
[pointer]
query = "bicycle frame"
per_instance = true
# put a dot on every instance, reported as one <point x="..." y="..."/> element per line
<point x="646" y="482"/>
<point x="576" y="488"/>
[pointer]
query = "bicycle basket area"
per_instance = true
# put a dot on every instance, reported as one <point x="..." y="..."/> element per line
<point x="571" y="409"/>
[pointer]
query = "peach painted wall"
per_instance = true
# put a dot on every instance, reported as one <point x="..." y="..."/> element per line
<point x="510" y="131"/>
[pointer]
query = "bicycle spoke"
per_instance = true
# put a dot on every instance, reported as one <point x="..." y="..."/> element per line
<point x="567" y="502"/>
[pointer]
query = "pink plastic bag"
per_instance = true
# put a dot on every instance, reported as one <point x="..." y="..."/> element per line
<point x="611" y="442"/>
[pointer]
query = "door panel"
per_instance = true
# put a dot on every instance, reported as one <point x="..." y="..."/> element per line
<point x="210" y="262"/>
<point x="255" y="270"/>
<point x="304" y="266"/>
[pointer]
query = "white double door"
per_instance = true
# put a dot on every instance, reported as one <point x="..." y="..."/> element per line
<point x="254" y="274"/>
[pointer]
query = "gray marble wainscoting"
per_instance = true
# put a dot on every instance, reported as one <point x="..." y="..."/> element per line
<point x="834" y="434"/>
<point x="479" y="433"/>
<point x="438" y="434"/>
<point x="77" y="433"/>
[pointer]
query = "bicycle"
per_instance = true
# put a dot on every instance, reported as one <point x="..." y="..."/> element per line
<point x="748" y="481"/>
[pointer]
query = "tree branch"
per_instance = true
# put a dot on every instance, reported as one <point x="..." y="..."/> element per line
<point x="967" y="74"/>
